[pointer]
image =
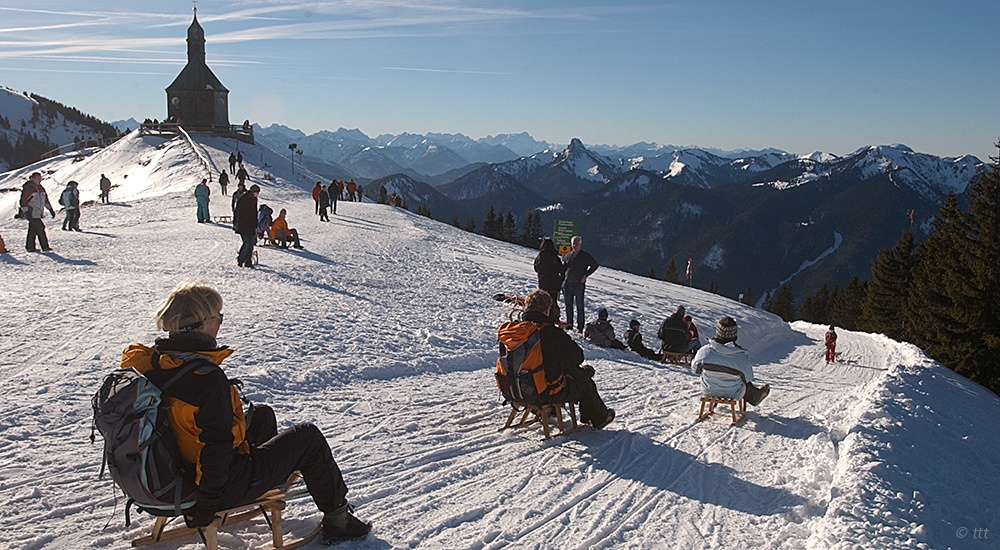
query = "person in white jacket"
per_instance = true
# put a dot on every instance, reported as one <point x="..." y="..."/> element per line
<point x="725" y="367"/>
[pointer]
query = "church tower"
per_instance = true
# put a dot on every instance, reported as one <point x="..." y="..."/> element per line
<point x="196" y="98"/>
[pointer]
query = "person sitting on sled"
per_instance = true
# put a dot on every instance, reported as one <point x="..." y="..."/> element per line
<point x="725" y="367"/>
<point x="234" y="461"/>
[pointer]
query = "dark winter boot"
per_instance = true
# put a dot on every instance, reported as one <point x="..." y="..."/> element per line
<point x="340" y="525"/>
<point x="607" y="420"/>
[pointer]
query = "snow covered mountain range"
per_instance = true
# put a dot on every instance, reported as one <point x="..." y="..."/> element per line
<point x="382" y="332"/>
<point x="810" y="219"/>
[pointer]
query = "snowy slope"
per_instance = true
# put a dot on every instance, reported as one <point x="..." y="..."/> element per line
<point x="382" y="332"/>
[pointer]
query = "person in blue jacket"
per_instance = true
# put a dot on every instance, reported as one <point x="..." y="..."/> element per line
<point x="201" y="193"/>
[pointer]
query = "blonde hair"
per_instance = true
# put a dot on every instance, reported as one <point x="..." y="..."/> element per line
<point x="539" y="301"/>
<point x="187" y="306"/>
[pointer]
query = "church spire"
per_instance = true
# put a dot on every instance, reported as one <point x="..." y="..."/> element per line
<point x="196" y="41"/>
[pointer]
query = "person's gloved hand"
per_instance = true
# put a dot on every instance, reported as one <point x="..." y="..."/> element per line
<point x="197" y="518"/>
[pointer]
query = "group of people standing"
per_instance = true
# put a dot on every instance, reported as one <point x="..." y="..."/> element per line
<point x="34" y="202"/>
<point x="326" y="196"/>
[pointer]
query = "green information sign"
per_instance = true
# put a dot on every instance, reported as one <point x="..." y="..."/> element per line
<point x="563" y="233"/>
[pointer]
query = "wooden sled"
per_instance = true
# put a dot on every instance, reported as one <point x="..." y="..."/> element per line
<point x="541" y="414"/>
<point x="269" y="505"/>
<point x="677" y="358"/>
<point x="713" y="401"/>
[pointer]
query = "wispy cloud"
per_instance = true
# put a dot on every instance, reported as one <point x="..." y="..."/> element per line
<point x="450" y="71"/>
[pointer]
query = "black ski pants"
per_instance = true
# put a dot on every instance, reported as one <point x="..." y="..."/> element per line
<point x="301" y="447"/>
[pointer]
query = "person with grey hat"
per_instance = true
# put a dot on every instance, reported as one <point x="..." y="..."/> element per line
<point x="600" y="332"/>
<point x="725" y="367"/>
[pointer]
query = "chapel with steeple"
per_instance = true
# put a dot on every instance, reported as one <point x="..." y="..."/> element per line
<point x="196" y="99"/>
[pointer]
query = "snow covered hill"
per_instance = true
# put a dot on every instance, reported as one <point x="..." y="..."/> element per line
<point x="382" y="332"/>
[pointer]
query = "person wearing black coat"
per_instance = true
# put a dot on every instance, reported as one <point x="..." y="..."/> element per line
<point x="562" y="357"/>
<point x="634" y="340"/>
<point x="674" y="333"/>
<point x="245" y="222"/>
<point x="551" y="272"/>
<point x="323" y="201"/>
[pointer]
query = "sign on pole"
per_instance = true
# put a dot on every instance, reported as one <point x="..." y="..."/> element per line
<point x="563" y="233"/>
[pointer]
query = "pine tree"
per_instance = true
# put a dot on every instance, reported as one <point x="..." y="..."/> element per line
<point x="982" y="293"/>
<point x="713" y="287"/>
<point x="528" y="237"/>
<point x="747" y="297"/>
<point x="845" y="304"/>
<point x="782" y="303"/>
<point x="670" y="274"/>
<point x="933" y="321"/>
<point x="470" y="225"/>
<point x="651" y="273"/>
<point x="816" y="307"/>
<point x="888" y="291"/>
<point x="490" y="224"/>
<point x="509" y="228"/>
<point x="454" y="221"/>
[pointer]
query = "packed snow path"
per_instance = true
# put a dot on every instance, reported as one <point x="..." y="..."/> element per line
<point x="382" y="332"/>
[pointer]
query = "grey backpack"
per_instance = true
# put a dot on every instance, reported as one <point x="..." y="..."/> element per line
<point x="139" y="447"/>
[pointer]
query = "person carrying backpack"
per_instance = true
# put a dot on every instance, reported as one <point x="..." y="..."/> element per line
<point x="230" y="464"/>
<point x="70" y="199"/>
<point x="558" y="375"/>
<point x="673" y="333"/>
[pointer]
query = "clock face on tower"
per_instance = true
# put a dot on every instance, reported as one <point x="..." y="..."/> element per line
<point x="222" y="102"/>
<point x="176" y="100"/>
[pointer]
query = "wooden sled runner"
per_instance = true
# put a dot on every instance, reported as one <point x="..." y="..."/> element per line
<point x="541" y="413"/>
<point x="711" y="402"/>
<point x="677" y="358"/>
<point x="269" y="505"/>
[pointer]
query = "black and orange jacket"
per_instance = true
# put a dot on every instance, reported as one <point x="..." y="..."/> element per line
<point x="206" y="414"/>
<point x="560" y="354"/>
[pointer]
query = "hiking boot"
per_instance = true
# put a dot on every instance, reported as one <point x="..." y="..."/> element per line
<point x="355" y="529"/>
<point x="607" y="420"/>
<point x="764" y="391"/>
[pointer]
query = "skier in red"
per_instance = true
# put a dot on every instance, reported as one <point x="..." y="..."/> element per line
<point x="831" y="345"/>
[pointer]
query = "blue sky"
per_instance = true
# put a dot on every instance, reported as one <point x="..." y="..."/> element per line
<point x="800" y="76"/>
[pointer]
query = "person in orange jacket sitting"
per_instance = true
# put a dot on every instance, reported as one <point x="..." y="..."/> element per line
<point x="281" y="234"/>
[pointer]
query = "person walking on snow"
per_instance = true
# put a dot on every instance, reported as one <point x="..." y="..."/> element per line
<point x="242" y="175"/>
<point x="831" y="344"/>
<point x="579" y="265"/>
<point x="223" y="181"/>
<point x="245" y="220"/>
<point x="232" y="163"/>
<point x="70" y="199"/>
<point x="315" y="195"/>
<point x="201" y="193"/>
<point x="34" y="202"/>
<point x="324" y="203"/>
<point x="105" y="189"/>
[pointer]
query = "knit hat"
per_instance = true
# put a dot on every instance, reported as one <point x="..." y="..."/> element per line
<point x="725" y="330"/>
<point x="602" y="313"/>
<point x="254" y="188"/>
